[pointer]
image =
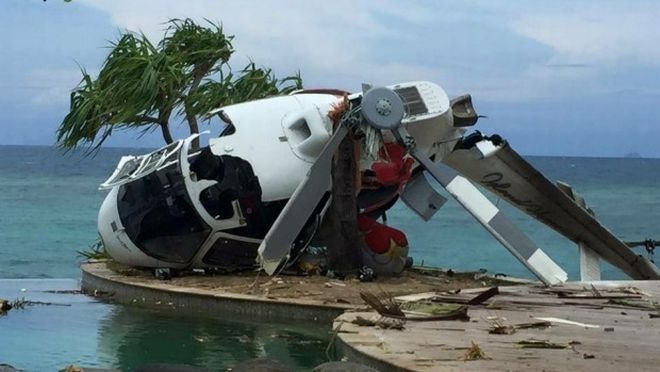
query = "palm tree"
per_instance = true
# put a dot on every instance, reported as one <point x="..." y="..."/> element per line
<point x="142" y="85"/>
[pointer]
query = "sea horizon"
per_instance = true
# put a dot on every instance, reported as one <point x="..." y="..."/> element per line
<point x="81" y="152"/>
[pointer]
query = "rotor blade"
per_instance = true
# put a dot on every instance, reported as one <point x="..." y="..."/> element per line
<point x="511" y="177"/>
<point x="494" y="221"/>
<point x="279" y="239"/>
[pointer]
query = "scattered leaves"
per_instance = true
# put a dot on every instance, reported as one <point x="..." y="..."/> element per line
<point x="474" y="352"/>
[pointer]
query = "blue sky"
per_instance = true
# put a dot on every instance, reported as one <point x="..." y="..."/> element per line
<point x="554" y="78"/>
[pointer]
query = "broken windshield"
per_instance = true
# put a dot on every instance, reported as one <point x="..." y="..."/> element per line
<point x="159" y="217"/>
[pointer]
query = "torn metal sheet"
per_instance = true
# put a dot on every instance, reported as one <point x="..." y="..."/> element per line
<point x="421" y="197"/>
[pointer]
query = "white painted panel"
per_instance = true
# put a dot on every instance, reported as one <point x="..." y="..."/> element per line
<point x="547" y="267"/>
<point x="474" y="200"/>
<point x="589" y="264"/>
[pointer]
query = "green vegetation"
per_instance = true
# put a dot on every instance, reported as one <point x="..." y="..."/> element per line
<point x="144" y="86"/>
<point x="96" y="251"/>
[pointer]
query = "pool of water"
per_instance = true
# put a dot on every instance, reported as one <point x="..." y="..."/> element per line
<point x="77" y="329"/>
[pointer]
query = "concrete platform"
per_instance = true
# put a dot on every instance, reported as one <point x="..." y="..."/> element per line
<point x="99" y="280"/>
<point x="312" y="298"/>
<point x="617" y="333"/>
<point x="600" y="326"/>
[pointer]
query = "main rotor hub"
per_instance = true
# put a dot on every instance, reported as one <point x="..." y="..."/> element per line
<point x="382" y="108"/>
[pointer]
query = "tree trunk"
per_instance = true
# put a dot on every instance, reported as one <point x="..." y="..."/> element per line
<point x="194" y="128"/>
<point x="198" y="73"/>
<point x="167" y="136"/>
<point x="346" y="241"/>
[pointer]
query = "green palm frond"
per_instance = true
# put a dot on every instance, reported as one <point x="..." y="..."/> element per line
<point x="141" y="84"/>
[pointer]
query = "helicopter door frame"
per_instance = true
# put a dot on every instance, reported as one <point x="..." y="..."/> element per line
<point x="196" y="187"/>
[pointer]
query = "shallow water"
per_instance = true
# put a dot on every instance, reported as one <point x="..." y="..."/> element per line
<point x="81" y="330"/>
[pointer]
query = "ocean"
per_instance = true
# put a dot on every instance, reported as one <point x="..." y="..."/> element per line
<point x="49" y="202"/>
<point x="48" y="207"/>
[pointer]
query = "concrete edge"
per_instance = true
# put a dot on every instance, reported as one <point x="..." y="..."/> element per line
<point x="342" y="347"/>
<point x="126" y="292"/>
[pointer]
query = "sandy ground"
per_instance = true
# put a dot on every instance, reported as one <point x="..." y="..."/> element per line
<point x="320" y="288"/>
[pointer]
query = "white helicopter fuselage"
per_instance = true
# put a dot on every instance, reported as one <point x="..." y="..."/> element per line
<point x="162" y="212"/>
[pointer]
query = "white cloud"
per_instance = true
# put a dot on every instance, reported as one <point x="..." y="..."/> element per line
<point x="599" y="33"/>
<point x="321" y="38"/>
<point x="51" y="87"/>
<point x="337" y="43"/>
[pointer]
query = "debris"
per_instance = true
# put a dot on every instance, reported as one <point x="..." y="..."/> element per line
<point x="650" y="305"/>
<point x="474" y="352"/>
<point x="384" y="323"/>
<point x="416" y="297"/>
<point x="363" y="322"/>
<point x="342" y="301"/>
<point x="569" y="322"/>
<point x="634" y="290"/>
<point x="454" y="297"/>
<point x="540" y="344"/>
<point x="600" y="297"/>
<point x="435" y="311"/>
<point x="334" y="284"/>
<point x="543" y="324"/>
<point x="366" y="274"/>
<point x="608" y="329"/>
<point x="5" y="306"/>
<point x="502" y="330"/>
<point x="163" y="273"/>
<point x="654" y="315"/>
<point x="588" y="356"/>
<point x="483" y="296"/>
<point x="384" y="305"/>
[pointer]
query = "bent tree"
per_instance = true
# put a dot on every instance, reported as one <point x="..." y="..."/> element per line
<point x="145" y="86"/>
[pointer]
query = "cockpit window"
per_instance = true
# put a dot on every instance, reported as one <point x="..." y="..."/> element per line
<point x="229" y="127"/>
<point x="159" y="217"/>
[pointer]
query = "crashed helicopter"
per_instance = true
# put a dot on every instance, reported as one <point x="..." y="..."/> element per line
<point x="257" y="193"/>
